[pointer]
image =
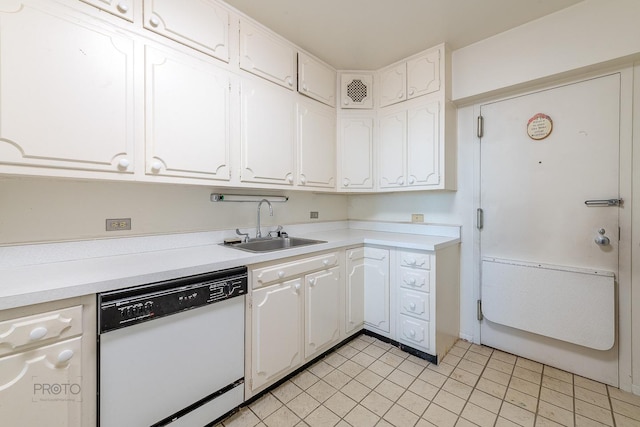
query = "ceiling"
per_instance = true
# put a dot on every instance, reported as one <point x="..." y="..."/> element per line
<point x="369" y="34"/>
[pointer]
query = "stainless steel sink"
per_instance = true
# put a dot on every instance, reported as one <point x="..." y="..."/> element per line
<point x="274" y="244"/>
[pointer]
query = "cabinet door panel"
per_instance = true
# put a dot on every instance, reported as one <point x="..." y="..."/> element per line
<point x="265" y="55"/>
<point x="414" y="332"/>
<point x="355" y="290"/>
<point x="393" y="82"/>
<point x="316" y="80"/>
<point x="423" y="74"/>
<point x="66" y="93"/>
<point x="356" y="153"/>
<point x="42" y="387"/>
<point x="267" y="133"/>
<point x="392" y="150"/>
<point x="122" y="8"/>
<point x="376" y="288"/>
<point x="187" y="117"/>
<point x="414" y="303"/>
<point x="322" y="295"/>
<point x="200" y="24"/>
<point x="277" y="330"/>
<point x="423" y="145"/>
<point x="316" y="145"/>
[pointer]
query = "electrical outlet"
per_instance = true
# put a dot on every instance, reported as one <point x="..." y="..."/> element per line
<point x="313" y="215"/>
<point x="417" y="218"/>
<point x="118" y="224"/>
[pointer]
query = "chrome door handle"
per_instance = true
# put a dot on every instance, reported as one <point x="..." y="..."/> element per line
<point x="601" y="239"/>
<point x="603" y="202"/>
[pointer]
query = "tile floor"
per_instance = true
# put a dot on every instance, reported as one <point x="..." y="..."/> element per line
<point x="370" y="383"/>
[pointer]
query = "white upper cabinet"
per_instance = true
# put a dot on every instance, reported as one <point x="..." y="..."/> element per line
<point x="316" y="80"/>
<point x="267" y="133"/>
<point x="200" y="24"/>
<point x="66" y="94"/>
<point x="392" y="150"/>
<point x="121" y="8"/>
<point x="417" y="76"/>
<point x="186" y="116"/>
<point x="316" y="145"/>
<point x="356" y="153"/>
<point x="266" y="55"/>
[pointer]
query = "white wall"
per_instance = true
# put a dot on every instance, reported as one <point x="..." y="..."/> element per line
<point x="588" y="33"/>
<point x="40" y="210"/>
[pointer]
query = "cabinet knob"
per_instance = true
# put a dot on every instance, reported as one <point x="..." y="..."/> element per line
<point x="281" y="274"/>
<point x="312" y="282"/>
<point x="289" y="179"/>
<point x="289" y="81"/>
<point x="123" y="7"/>
<point x="154" y="21"/>
<point x="303" y="180"/>
<point x="412" y="333"/>
<point x="325" y="262"/>
<point x="412" y="306"/>
<point x="156" y="167"/>
<point x="412" y="180"/>
<point x="401" y="181"/>
<point x="412" y="281"/>
<point x="345" y="182"/>
<point x="401" y="95"/>
<point x="411" y="261"/>
<point x="296" y="287"/>
<point x="123" y="164"/>
<point x="345" y="102"/>
<point x="65" y="356"/>
<point x="38" y="333"/>
<point x="412" y="91"/>
<point x="305" y="87"/>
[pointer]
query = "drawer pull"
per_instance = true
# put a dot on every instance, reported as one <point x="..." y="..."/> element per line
<point x="38" y="333"/>
<point x="325" y="262"/>
<point x="411" y="261"/>
<point x="65" y="356"/>
<point x="412" y="281"/>
<point x="412" y="306"/>
<point x="296" y="287"/>
<point x="412" y="333"/>
<point x="281" y="274"/>
<point x="312" y="282"/>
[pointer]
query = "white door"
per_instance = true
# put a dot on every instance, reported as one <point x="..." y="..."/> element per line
<point x="376" y="289"/>
<point x="356" y="153"/>
<point x="392" y="149"/>
<point x="322" y="310"/>
<point x="354" y="306"/>
<point x="547" y="287"/>
<point x="316" y="145"/>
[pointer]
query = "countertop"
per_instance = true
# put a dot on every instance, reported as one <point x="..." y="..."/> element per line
<point x="27" y="284"/>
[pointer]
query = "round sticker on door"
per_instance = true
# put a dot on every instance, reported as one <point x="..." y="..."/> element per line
<point x="539" y="126"/>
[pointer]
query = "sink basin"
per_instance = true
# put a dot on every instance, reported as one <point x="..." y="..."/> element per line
<point x="274" y="244"/>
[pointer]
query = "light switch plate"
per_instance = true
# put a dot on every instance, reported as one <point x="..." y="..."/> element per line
<point x="118" y="224"/>
<point x="417" y="217"/>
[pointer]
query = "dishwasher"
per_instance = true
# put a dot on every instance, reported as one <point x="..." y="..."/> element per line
<point x="172" y="352"/>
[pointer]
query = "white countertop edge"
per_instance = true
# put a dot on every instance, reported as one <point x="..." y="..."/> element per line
<point x="73" y="278"/>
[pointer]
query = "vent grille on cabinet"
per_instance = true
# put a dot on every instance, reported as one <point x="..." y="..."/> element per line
<point x="357" y="91"/>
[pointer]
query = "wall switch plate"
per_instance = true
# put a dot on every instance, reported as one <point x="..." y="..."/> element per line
<point x="417" y="218"/>
<point x="118" y="224"/>
<point x="313" y="215"/>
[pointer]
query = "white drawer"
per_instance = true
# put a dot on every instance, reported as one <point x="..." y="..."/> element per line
<point x="29" y="331"/>
<point x="410" y="259"/>
<point x="414" y="332"/>
<point x="414" y="304"/>
<point x="279" y="272"/>
<point x="410" y="278"/>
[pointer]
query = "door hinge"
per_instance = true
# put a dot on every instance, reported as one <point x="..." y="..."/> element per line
<point x="479" y="311"/>
<point x="479" y="219"/>
<point x="480" y="129"/>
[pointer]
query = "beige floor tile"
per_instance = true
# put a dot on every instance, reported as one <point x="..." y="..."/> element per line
<point x="242" y="418"/>
<point x="525" y="374"/>
<point x="413" y="402"/>
<point x="463" y="344"/>
<point x="592" y="397"/>
<point x="496" y="376"/>
<point x="369" y="378"/>
<point x="343" y="423"/>
<point x="302" y="405"/>
<point x="530" y="388"/>
<point x="485" y="401"/>
<point x="384" y="423"/>
<point x="457" y="351"/>
<point x="411" y="368"/>
<point x="374" y="351"/>
<point x="401" y="378"/>
<point x="351" y="368"/>
<point x="368" y="338"/>
<point x="492" y="388"/>
<point x="355" y="390"/>
<point x="478" y="415"/>
<point x="469" y="366"/>
<point x="449" y="401"/>
<point x="622" y="421"/>
<point x="465" y="377"/>
<point x="464" y="423"/>
<point x="347" y="351"/>
<point x="389" y="390"/>
<point x="335" y="359"/>
<point x="340" y="404"/>
<point x="337" y="379"/>
<point x="376" y="403"/>
<point x="360" y="343"/>
<point x="521" y="400"/>
<point x="424" y="389"/>
<point x="461" y="390"/>
<point x="265" y="406"/>
<point x="558" y="374"/>
<point x="391" y="359"/>
<point x="302" y="424"/>
<point x="504" y="357"/>
<point x="556" y="398"/>
<point x="418" y="361"/>
<point x="557" y="385"/>
<point x="555" y="413"/>
<point x="383" y="345"/>
<point x="321" y="391"/>
<point x="283" y="417"/>
<point x="486" y="351"/>
<point x="361" y="417"/>
<point x="320" y="369"/>
<point x="381" y="368"/>
<point x="442" y="368"/>
<point x="287" y="391"/>
<point x="529" y="364"/>
<point x="498" y="365"/>
<point x="439" y="416"/>
<point x="424" y="423"/>
<point x="478" y="358"/>
<point x="398" y="352"/>
<point x="626" y="409"/>
<point x="589" y="384"/>
<point x="304" y="380"/>
<point x="623" y="396"/>
<point x="582" y="421"/>
<point x="432" y="377"/>
<point x="451" y="359"/>
<point x="322" y="417"/>
<point x="400" y="417"/>
<point x="517" y="415"/>
<point x="544" y="422"/>
<point x="363" y="359"/>
<point x="503" y="422"/>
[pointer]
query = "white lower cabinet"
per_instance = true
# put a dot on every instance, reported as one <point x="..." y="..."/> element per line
<point x="377" y="295"/>
<point x="354" y="282"/>
<point x="47" y="364"/>
<point x="322" y="310"/>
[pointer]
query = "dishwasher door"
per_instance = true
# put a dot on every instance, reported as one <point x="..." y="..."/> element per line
<point x="152" y="370"/>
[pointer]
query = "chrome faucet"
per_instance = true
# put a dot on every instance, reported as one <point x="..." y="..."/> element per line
<point x="258" y="232"/>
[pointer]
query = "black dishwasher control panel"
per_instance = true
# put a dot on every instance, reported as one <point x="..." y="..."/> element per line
<point x="128" y="307"/>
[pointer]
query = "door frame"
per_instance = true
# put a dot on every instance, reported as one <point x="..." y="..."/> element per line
<point x="623" y="297"/>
